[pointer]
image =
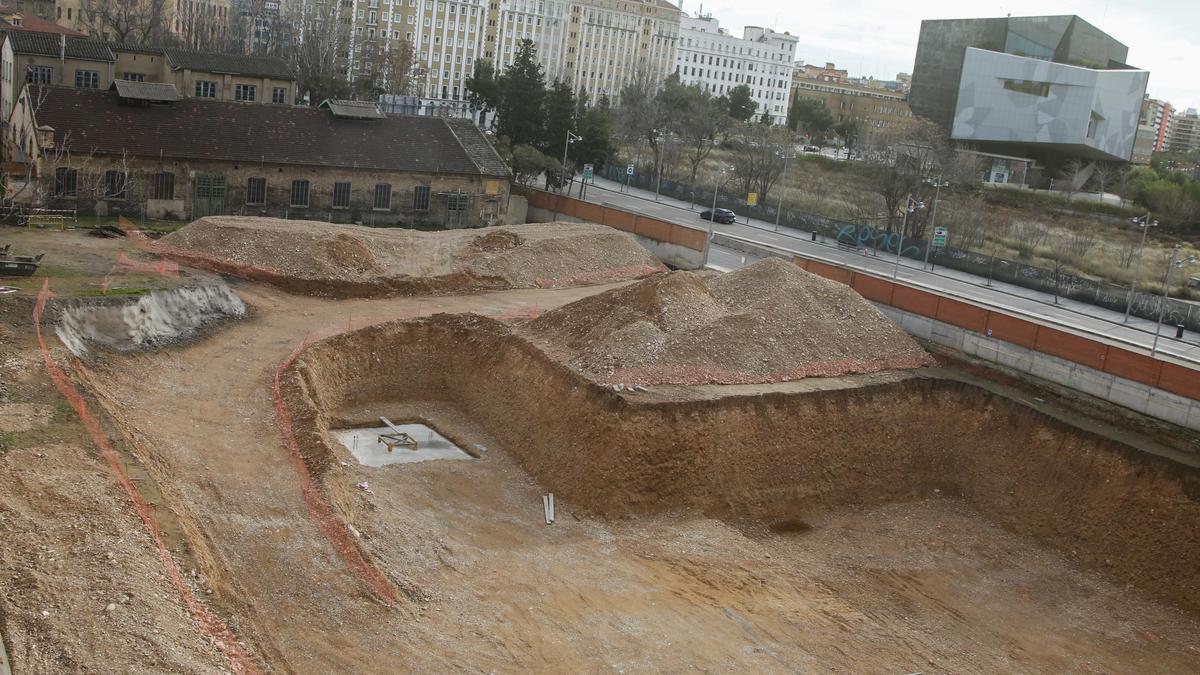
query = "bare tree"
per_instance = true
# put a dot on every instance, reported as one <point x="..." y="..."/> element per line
<point x="759" y="151"/>
<point x="131" y="21"/>
<point x="1029" y="235"/>
<point x="387" y="68"/>
<point x="1078" y="243"/>
<point x="1105" y="174"/>
<point x="1073" y="173"/>
<point x="1126" y="252"/>
<point x="323" y="50"/>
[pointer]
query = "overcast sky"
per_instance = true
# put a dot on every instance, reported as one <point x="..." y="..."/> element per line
<point x="879" y="37"/>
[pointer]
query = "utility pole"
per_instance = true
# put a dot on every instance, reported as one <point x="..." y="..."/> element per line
<point x="571" y="138"/>
<point x="1162" y="304"/>
<point x="910" y="205"/>
<point x="933" y="217"/>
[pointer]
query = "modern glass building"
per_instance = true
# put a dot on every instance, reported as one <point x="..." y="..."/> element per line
<point x="1045" y="87"/>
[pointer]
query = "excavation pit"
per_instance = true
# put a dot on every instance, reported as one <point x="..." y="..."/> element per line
<point x="369" y="448"/>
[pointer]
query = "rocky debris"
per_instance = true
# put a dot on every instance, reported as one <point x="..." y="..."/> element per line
<point x="768" y="322"/>
<point x="348" y="260"/>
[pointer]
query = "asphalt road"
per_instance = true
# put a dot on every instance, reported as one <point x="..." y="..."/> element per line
<point x="1109" y="325"/>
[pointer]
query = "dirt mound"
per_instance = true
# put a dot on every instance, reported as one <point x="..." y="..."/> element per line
<point x="768" y="322"/>
<point x="352" y="261"/>
<point x="497" y="240"/>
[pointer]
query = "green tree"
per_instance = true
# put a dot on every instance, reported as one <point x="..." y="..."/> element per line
<point x="560" y="119"/>
<point x="741" y="103"/>
<point x="483" y="89"/>
<point x="595" y="125"/>
<point x="520" y="110"/>
<point x="810" y="116"/>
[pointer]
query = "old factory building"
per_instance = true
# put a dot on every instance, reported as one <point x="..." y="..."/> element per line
<point x="140" y="147"/>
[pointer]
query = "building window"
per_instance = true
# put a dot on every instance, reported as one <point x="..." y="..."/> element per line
<point x="279" y="95"/>
<point x="133" y="77"/>
<point x="300" y="193"/>
<point x="1041" y="89"/>
<point x="206" y="89"/>
<point x="87" y="79"/>
<point x="162" y="186"/>
<point x="245" y="92"/>
<point x="39" y="74"/>
<point x="65" y="182"/>
<point x="421" y="198"/>
<point x="256" y="191"/>
<point x="458" y="201"/>
<point x="341" y="195"/>
<point x="114" y="184"/>
<point x="383" y="197"/>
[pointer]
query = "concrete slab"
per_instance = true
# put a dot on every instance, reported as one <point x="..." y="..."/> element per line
<point x="1168" y="406"/>
<point x="1132" y="395"/>
<point x="917" y="325"/>
<point x="1052" y="368"/>
<point x="1014" y="356"/>
<point x="1091" y="381"/>
<point x="1193" y="421"/>
<point x="947" y="335"/>
<point x="364" y="444"/>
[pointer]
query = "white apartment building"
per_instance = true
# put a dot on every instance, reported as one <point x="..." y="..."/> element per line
<point x="595" y="45"/>
<point x="762" y="59"/>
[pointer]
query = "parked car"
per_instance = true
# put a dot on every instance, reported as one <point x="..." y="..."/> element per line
<point x="719" y="216"/>
<point x="811" y="148"/>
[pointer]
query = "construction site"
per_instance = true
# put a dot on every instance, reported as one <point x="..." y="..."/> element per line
<point x="308" y="447"/>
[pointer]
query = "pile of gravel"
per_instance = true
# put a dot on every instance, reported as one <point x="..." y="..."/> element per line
<point x="768" y="322"/>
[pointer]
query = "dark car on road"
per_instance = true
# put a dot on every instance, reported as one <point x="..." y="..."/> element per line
<point x="719" y="216"/>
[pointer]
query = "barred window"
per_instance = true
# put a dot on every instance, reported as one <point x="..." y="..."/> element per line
<point x="133" y="77"/>
<point x="341" y="195"/>
<point x="162" y="186"/>
<point x="299" y="193"/>
<point x="39" y="74"/>
<point x="65" y="182"/>
<point x="256" y="190"/>
<point x="458" y="201"/>
<point x="87" y="79"/>
<point x="383" y="197"/>
<point x="245" y="92"/>
<point x="206" y="89"/>
<point x="421" y="198"/>
<point x="114" y="184"/>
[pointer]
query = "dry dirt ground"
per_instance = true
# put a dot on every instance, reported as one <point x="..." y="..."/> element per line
<point x="925" y="586"/>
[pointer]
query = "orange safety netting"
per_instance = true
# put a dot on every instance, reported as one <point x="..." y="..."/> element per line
<point x="209" y="623"/>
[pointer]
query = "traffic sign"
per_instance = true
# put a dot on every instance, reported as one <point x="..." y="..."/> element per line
<point x="752" y="199"/>
<point x="939" y="236"/>
<point x="629" y="170"/>
<point x="587" y="172"/>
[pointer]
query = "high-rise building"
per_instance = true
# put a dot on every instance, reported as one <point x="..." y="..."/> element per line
<point x="1185" y="132"/>
<point x="763" y="60"/>
<point x="1045" y="87"/>
<point x="1157" y="115"/>
<point x="596" y="46"/>
<point x="882" y="116"/>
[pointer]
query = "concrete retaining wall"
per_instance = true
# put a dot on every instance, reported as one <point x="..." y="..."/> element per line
<point x="1134" y="395"/>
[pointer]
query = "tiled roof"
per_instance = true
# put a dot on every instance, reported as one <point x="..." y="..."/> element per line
<point x="95" y="121"/>
<point x="234" y="64"/>
<point x="35" y="24"/>
<point x="146" y="91"/>
<point x="43" y="44"/>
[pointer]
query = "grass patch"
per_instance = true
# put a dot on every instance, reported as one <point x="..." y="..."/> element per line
<point x="63" y="412"/>
<point x="8" y="440"/>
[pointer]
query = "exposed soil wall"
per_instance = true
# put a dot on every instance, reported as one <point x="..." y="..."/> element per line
<point x="775" y="456"/>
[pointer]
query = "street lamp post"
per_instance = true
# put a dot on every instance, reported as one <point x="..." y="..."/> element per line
<point x="661" y="157"/>
<point x="571" y="138"/>
<point x="782" y="176"/>
<point x="910" y="205"/>
<point x="933" y="217"/>
<point x="712" y="215"/>
<point x="1162" y="303"/>
<point x="1146" y="224"/>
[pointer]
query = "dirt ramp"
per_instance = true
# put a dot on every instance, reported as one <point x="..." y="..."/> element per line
<point x="333" y="260"/>
<point x="769" y="322"/>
